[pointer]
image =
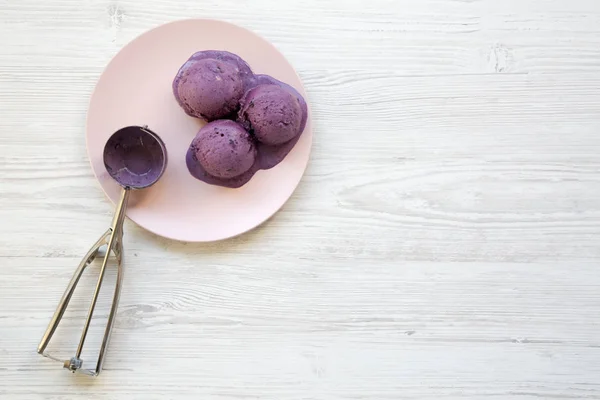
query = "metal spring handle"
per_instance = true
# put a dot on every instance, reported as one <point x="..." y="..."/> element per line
<point x="113" y="238"/>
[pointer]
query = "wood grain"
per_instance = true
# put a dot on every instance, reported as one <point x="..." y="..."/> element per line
<point x="444" y="242"/>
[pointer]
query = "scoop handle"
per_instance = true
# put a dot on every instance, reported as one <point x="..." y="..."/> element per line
<point x="117" y="233"/>
<point x="113" y="238"/>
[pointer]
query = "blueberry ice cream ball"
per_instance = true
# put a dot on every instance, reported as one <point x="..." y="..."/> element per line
<point x="208" y="88"/>
<point x="224" y="149"/>
<point x="271" y="113"/>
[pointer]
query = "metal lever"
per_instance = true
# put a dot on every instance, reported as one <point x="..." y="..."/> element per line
<point x="113" y="239"/>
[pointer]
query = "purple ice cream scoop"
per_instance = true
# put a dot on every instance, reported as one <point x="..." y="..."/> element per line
<point x="233" y="59"/>
<point x="225" y="153"/>
<point x="220" y="87"/>
<point x="271" y="113"/>
<point x="221" y="152"/>
<point x="269" y="155"/>
<point x="210" y="84"/>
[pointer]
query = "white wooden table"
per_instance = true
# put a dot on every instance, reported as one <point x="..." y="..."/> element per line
<point x="444" y="243"/>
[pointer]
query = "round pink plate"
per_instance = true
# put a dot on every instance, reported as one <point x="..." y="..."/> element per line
<point x="135" y="89"/>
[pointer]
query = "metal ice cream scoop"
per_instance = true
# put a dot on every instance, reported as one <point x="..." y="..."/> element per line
<point x="136" y="158"/>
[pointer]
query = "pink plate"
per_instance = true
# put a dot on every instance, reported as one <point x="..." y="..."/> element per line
<point x="135" y="89"/>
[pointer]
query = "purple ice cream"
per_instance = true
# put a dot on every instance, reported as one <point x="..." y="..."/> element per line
<point x="210" y="84"/>
<point x="271" y="113"/>
<point x="269" y="154"/>
<point x="224" y="153"/>
<point x="219" y="86"/>
<point x="221" y="152"/>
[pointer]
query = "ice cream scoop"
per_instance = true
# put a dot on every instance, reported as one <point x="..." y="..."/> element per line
<point x="222" y="153"/>
<point x="136" y="158"/>
<point x="272" y="113"/>
<point x="210" y="84"/>
<point x="271" y="119"/>
<point x="269" y="155"/>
